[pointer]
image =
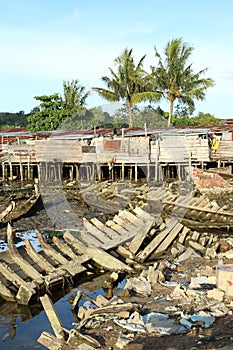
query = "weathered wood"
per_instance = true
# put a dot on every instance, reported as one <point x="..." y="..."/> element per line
<point x="109" y="232"/>
<point x="27" y="268"/>
<point x="95" y="231"/>
<point x="143" y="214"/>
<point x="50" y="251"/>
<point x="5" y="293"/>
<point x="132" y="218"/>
<point x="66" y="250"/>
<point x="52" y="316"/>
<point x="72" y="268"/>
<point x="25" y="289"/>
<point x="150" y="248"/>
<point x="136" y="243"/>
<point x="8" y="210"/>
<point x="121" y="230"/>
<point x="38" y="258"/>
<point x="50" y="342"/>
<point x="169" y="239"/>
<point x="98" y="255"/>
<point x="202" y="209"/>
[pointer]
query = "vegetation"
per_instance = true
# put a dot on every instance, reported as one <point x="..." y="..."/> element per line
<point x="203" y="119"/>
<point x="12" y="120"/>
<point x="56" y="111"/>
<point x="174" y="79"/>
<point x="127" y="84"/>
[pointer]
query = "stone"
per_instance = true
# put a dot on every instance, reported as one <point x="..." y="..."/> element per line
<point x="215" y="294"/>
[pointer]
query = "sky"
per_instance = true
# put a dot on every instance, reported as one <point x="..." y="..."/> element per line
<point x="46" y="42"/>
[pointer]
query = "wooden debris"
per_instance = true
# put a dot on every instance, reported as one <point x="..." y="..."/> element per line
<point x="50" y="342"/>
<point x="98" y="255"/>
<point x="52" y="316"/>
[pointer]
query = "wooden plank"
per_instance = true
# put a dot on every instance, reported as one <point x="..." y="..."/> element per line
<point x="142" y="214"/>
<point x="72" y="268"/>
<point x="38" y="258"/>
<point x="120" y="240"/>
<point x="50" y="251"/>
<point x="95" y="231"/>
<point x="50" y="342"/>
<point x="136" y="243"/>
<point x="27" y="268"/>
<point x="52" y="316"/>
<point x="127" y="225"/>
<point x="25" y="289"/>
<point x="121" y="230"/>
<point x="98" y="255"/>
<point x="66" y="250"/>
<point x="88" y="239"/>
<point x="5" y="293"/>
<point x="133" y="218"/>
<point x="109" y="232"/>
<point x="150" y="248"/>
<point x="170" y="238"/>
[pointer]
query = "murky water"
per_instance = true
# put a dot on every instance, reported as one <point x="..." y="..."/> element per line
<point x="18" y="332"/>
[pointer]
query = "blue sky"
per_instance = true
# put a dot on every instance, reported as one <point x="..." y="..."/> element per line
<point x="44" y="42"/>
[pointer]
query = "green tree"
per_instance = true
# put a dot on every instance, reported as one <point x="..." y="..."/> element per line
<point x="207" y="119"/>
<point x="74" y="95"/>
<point x="150" y="117"/>
<point x="56" y="111"/>
<point x="126" y="84"/>
<point x="49" y="114"/>
<point x="174" y="79"/>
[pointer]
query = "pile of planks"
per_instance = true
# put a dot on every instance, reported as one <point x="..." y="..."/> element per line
<point x="124" y="243"/>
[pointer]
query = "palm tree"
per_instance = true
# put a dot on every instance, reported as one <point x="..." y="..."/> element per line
<point x="126" y="84"/>
<point x="74" y="95"/>
<point x="175" y="79"/>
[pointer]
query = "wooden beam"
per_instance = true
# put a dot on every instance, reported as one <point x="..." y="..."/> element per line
<point x="52" y="316"/>
<point x="96" y="254"/>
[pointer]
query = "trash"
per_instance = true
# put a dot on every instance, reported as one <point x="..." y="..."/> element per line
<point x="123" y="340"/>
<point x="202" y="318"/>
<point x="215" y="294"/>
<point x="139" y="285"/>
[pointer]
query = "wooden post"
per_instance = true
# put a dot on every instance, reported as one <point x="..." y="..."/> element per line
<point x="11" y="171"/>
<point x="21" y="169"/>
<point x="3" y="171"/>
<point x="122" y="171"/>
<point x="136" y="172"/>
<point x="99" y="172"/>
<point x="148" y="171"/>
<point x="28" y="167"/>
<point x="77" y="172"/>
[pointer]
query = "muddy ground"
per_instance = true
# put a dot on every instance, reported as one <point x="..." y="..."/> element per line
<point x="218" y="336"/>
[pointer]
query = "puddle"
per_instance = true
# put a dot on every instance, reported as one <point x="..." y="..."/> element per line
<point x="21" y="326"/>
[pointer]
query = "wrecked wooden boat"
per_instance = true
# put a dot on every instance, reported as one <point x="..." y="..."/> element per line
<point x="18" y="208"/>
<point x="7" y="211"/>
<point x="117" y="245"/>
<point x="199" y="213"/>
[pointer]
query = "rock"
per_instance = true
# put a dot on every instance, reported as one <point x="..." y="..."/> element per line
<point x="139" y="285"/>
<point x="215" y="294"/>
<point x="122" y="341"/>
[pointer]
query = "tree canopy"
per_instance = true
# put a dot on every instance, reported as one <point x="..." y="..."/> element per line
<point x="126" y="84"/>
<point x="174" y="78"/>
<point x="56" y="111"/>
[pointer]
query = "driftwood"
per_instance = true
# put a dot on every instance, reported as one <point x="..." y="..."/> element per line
<point x="7" y="211"/>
